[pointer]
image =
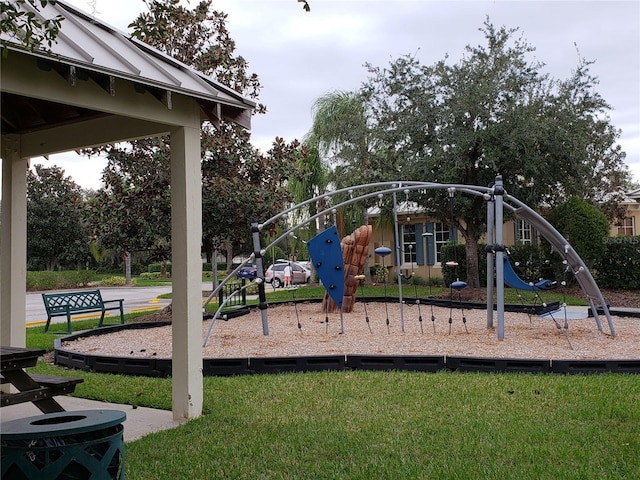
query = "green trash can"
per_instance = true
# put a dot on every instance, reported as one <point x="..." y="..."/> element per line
<point x="78" y="445"/>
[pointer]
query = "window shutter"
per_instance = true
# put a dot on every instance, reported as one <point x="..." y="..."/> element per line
<point x="419" y="245"/>
<point x="431" y="242"/>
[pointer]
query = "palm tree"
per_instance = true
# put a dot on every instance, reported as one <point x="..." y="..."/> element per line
<point x="341" y="136"/>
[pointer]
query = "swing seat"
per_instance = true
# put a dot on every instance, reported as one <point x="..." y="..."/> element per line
<point x="458" y="285"/>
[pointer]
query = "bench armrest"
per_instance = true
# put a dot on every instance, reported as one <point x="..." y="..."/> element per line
<point x="112" y="301"/>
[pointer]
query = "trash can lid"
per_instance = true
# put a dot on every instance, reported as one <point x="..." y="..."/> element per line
<point x="61" y="423"/>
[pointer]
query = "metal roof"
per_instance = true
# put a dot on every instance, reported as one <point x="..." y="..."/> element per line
<point x="88" y="44"/>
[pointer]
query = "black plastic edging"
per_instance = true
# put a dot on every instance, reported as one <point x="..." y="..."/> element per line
<point x="595" y="366"/>
<point x="296" y="364"/>
<point x="414" y="363"/>
<point x="161" y="367"/>
<point x="501" y="365"/>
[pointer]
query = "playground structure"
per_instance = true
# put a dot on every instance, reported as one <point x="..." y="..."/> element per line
<point x="496" y="199"/>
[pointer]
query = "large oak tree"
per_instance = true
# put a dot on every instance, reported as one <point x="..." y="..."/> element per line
<point x="493" y="112"/>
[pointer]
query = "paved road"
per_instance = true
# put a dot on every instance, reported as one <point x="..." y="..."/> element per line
<point x="135" y="299"/>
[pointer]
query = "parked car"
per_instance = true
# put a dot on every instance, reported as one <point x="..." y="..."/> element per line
<point x="250" y="272"/>
<point x="275" y="274"/>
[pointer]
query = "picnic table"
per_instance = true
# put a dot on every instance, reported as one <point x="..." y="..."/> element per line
<point x="34" y="388"/>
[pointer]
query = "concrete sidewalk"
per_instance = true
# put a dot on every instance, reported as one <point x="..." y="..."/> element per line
<point x="140" y="421"/>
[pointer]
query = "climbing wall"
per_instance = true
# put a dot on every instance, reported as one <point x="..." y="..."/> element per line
<point x="355" y="248"/>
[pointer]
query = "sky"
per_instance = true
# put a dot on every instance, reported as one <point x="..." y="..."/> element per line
<point x="299" y="56"/>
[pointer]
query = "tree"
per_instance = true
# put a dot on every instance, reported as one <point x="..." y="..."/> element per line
<point x="56" y="236"/>
<point x="238" y="182"/>
<point x="21" y="22"/>
<point x="311" y="180"/>
<point x="132" y="211"/>
<point x="493" y="112"/>
<point x="342" y="135"/>
<point x="240" y="185"/>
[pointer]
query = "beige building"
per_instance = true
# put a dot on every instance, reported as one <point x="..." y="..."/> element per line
<point x="630" y="225"/>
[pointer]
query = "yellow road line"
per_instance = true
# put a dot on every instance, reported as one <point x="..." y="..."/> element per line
<point x="145" y="309"/>
<point x="35" y="323"/>
<point x="88" y="316"/>
<point x="74" y="318"/>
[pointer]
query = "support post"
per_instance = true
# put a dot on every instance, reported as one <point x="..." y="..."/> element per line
<point x="398" y="257"/>
<point x="490" y="259"/>
<point x="257" y="252"/>
<point x="186" y="237"/>
<point x="498" y="191"/>
<point x="13" y="243"/>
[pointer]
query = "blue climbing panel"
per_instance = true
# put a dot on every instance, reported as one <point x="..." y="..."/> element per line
<point x="326" y="255"/>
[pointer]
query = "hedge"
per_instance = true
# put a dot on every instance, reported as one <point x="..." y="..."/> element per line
<point x="618" y="269"/>
<point x="620" y="266"/>
<point x="52" y="280"/>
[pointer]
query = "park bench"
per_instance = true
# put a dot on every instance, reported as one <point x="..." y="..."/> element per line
<point x="74" y="303"/>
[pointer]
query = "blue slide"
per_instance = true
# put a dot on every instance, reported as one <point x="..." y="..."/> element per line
<point x="514" y="281"/>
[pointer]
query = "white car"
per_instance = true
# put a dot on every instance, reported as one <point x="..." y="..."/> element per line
<point x="275" y="274"/>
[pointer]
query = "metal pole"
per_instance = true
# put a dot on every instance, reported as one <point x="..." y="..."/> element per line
<point x="262" y="296"/>
<point x="398" y="257"/>
<point x="490" y="259"/>
<point x="498" y="191"/>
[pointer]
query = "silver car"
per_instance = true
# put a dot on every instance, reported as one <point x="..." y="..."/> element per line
<point x="275" y="274"/>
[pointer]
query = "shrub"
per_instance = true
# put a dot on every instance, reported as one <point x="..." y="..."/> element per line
<point x="150" y="275"/>
<point x="381" y="274"/>
<point x="207" y="267"/>
<point x="457" y="251"/>
<point x="157" y="267"/>
<point x="53" y="280"/>
<point x="137" y="268"/>
<point x="115" y="281"/>
<point x="584" y="226"/>
<point x="620" y="266"/>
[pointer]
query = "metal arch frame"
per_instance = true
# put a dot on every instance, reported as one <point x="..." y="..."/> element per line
<point x="497" y="199"/>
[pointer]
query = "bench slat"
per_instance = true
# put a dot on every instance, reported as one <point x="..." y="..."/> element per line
<point x="53" y="381"/>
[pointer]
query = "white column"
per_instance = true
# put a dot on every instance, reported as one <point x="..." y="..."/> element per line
<point x="13" y="244"/>
<point x="186" y="237"/>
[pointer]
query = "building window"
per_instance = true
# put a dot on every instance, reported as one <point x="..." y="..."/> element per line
<point x="441" y="233"/>
<point x="626" y="227"/>
<point x="523" y="232"/>
<point x="409" y="244"/>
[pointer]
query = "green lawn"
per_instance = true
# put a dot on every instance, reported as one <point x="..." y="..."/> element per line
<point x="409" y="291"/>
<point x="388" y="425"/>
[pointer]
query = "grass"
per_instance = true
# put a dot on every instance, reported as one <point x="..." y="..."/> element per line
<point x="364" y="425"/>
<point x="510" y="294"/>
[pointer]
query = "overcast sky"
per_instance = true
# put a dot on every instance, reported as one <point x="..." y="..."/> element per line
<point x="300" y="56"/>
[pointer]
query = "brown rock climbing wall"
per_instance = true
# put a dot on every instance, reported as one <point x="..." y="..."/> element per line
<point x="355" y="248"/>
